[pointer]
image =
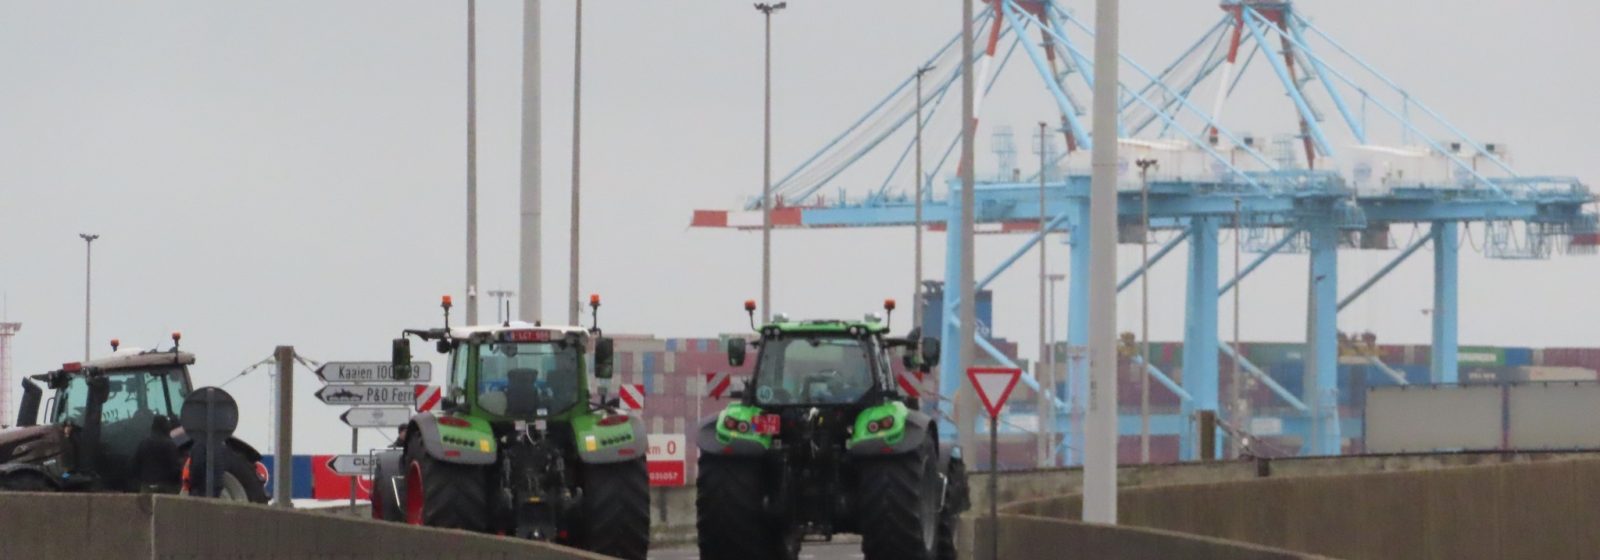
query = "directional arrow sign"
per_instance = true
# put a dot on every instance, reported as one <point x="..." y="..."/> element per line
<point x="994" y="386"/>
<point x="371" y="372"/>
<point x="367" y="395"/>
<point x="380" y="417"/>
<point x="352" y="465"/>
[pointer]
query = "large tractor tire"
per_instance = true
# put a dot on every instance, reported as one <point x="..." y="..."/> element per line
<point x="386" y="496"/>
<point x="238" y="481"/>
<point x="616" y="509"/>
<point x="900" y="498"/>
<point x="25" y="482"/>
<point x="730" y="516"/>
<point x="440" y="494"/>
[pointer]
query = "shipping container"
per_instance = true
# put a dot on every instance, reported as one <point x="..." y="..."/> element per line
<point x="1264" y="354"/>
<point x="1480" y="356"/>
<point x="1554" y="373"/>
<point x="1519" y="356"/>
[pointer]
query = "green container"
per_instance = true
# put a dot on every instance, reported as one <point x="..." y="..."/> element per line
<point x="1268" y="354"/>
<point x="1481" y="356"/>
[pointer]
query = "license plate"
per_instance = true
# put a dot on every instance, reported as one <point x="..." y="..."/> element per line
<point x="768" y="424"/>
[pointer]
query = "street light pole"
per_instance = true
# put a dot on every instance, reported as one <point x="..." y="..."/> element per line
<point x="577" y="127"/>
<point x="1144" y="309"/>
<point x="1044" y="270"/>
<point x="916" y="290"/>
<point x="472" y="162"/>
<point x="766" y="170"/>
<point x="1100" y="429"/>
<point x="88" y="266"/>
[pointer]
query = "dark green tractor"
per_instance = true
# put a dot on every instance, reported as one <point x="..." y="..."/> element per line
<point x="821" y="442"/>
<point x="517" y="447"/>
<point x="96" y="418"/>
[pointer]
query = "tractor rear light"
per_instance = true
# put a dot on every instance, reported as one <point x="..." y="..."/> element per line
<point x="886" y="423"/>
<point x="261" y="472"/>
<point x="452" y="453"/>
<point x="73" y="367"/>
<point x="613" y="420"/>
<point x="454" y="422"/>
<point x="730" y="424"/>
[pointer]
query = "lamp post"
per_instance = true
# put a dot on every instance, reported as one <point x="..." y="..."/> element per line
<point x="88" y="265"/>
<point x="573" y="307"/>
<point x="472" y="162"/>
<point x="916" y="291"/>
<point x="1144" y="308"/>
<point x="766" y="169"/>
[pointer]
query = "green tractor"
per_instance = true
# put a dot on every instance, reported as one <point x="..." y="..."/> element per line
<point x="822" y="442"/>
<point x="517" y="447"/>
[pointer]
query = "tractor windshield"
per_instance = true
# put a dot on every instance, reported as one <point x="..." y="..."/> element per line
<point x="811" y="370"/>
<point x="521" y="379"/>
<point x="134" y="395"/>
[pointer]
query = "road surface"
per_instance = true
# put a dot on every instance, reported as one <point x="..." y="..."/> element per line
<point x="816" y="551"/>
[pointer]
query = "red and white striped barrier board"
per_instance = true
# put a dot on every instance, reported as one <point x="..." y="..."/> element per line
<point x="632" y="396"/>
<point x="427" y="397"/>
<point x="717" y="383"/>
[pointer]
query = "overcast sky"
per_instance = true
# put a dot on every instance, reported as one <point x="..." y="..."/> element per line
<point x="293" y="172"/>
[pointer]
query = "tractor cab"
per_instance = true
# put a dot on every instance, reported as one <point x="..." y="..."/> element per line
<point x="518" y="371"/>
<point x="105" y="408"/>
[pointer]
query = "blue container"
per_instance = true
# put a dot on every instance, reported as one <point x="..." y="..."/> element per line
<point x="1519" y="357"/>
<point x="1417" y="374"/>
<point x="302" y="475"/>
<point x="1290" y="375"/>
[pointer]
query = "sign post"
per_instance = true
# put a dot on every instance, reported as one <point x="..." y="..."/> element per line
<point x="993" y="386"/>
<point x="375" y="394"/>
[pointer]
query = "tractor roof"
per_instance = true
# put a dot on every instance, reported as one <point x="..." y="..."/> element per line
<point x="828" y="326"/>
<point x="492" y="330"/>
<point x="128" y="358"/>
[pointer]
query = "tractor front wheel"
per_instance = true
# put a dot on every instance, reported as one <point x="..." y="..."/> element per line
<point x="440" y="494"/>
<point x="616" y="509"/>
<point x="900" y="498"/>
<point x="386" y="496"/>
<point x="730" y="514"/>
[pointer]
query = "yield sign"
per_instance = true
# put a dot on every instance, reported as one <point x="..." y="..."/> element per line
<point x="993" y="386"/>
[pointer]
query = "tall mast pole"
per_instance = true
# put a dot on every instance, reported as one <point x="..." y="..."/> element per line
<point x="531" y="206"/>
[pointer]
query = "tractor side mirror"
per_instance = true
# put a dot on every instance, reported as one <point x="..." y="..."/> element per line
<point x="736" y="347"/>
<point x="604" y="357"/>
<point x="400" y="358"/>
<point x="930" y="353"/>
<point x="444" y="346"/>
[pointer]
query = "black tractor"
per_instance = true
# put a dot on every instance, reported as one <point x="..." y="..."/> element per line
<point x="822" y="442"/>
<point x="99" y="417"/>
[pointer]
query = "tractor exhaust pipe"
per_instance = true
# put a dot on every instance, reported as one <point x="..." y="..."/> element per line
<point x="88" y="442"/>
<point x="28" y="409"/>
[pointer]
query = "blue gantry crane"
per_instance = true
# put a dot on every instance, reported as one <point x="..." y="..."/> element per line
<point x="1387" y="158"/>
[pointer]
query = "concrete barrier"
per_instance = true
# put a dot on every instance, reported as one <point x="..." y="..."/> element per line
<point x="1519" y="509"/>
<point x="1023" y="536"/>
<point x="672" y="511"/>
<point x="125" y="526"/>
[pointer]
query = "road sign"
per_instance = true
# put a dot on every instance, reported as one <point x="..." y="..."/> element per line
<point x="632" y="396"/>
<point x="352" y="465"/>
<point x="372" y="372"/>
<point x="665" y="460"/>
<point x="357" y="394"/>
<point x="427" y="397"/>
<point x="994" y="386"/>
<point x="717" y="383"/>
<point x="376" y="417"/>
<point x="910" y="383"/>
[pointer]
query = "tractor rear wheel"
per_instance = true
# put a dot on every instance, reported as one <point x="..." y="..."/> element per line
<point x="440" y="494"/>
<point x="900" y="498"/>
<point x="26" y="482"/>
<point x="616" y="509"/>
<point x="730" y="516"/>
<point x="386" y="496"/>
